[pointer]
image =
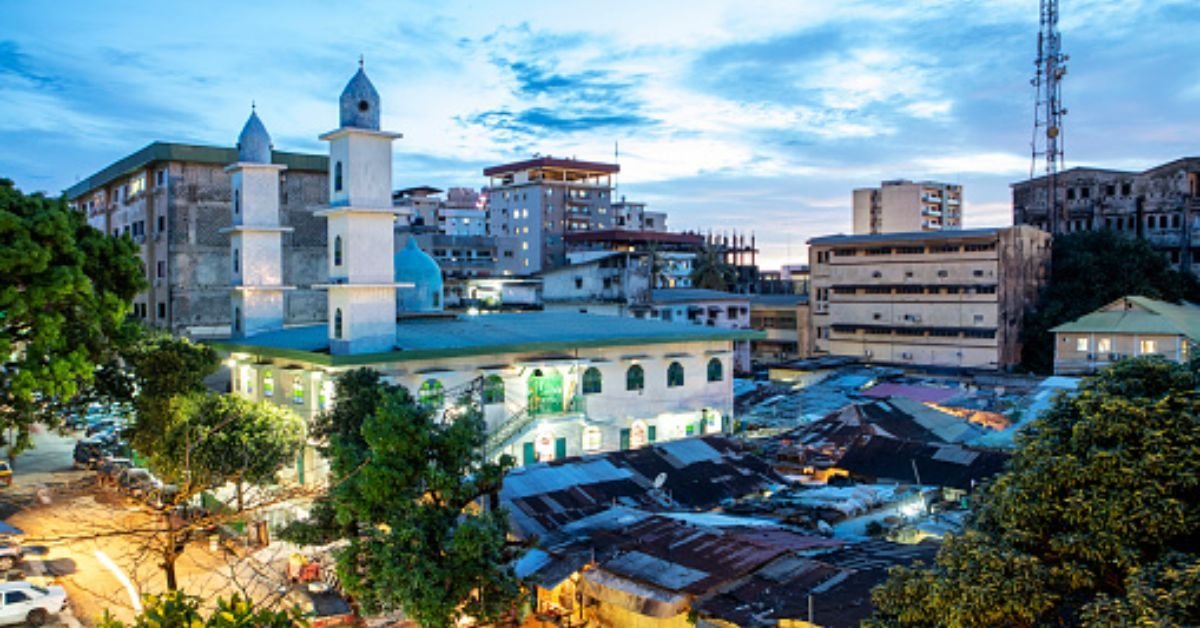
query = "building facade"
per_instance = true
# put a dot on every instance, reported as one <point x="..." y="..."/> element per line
<point x="1128" y="327"/>
<point x="903" y="206"/>
<point x="540" y="200"/>
<point x="675" y="252"/>
<point x="1160" y="205"/>
<point x="707" y="308"/>
<point x="175" y="200"/>
<point x="784" y="320"/>
<point x="946" y="299"/>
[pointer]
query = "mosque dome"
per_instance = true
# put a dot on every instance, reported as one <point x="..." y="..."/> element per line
<point x="360" y="103"/>
<point x="254" y="144"/>
<point x="412" y="265"/>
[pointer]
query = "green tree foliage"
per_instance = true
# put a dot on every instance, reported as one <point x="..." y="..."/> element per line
<point x="179" y="610"/>
<point x="165" y="368"/>
<point x="710" y="270"/>
<point x="63" y="304"/>
<point x="1092" y="269"/>
<point x="1096" y="521"/>
<point x="222" y="438"/>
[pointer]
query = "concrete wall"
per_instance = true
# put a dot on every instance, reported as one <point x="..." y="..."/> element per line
<point x="1079" y="353"/>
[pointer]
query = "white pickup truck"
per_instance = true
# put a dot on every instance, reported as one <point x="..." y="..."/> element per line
<point x="25" y="603"/>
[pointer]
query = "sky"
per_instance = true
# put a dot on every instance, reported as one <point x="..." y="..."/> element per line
<point x="760" y="117"/>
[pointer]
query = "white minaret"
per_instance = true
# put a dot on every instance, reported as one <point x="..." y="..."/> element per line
<point x="362" y="286"/>
<point x="255" y="239"/>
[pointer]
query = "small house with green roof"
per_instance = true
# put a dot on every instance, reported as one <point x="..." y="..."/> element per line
<point x="1129" y="326"/>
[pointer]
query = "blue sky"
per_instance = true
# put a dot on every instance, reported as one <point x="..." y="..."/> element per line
<point x="730" y="115"/>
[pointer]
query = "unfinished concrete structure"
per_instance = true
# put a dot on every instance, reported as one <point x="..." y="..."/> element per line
<point x="1160" y="205"/>
<point x="900" y="206"/>
<point x="949" y="298"/>
<point x="174" y="200"/>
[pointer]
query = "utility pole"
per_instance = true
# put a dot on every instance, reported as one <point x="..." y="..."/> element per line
<point x="1047" y="144"/>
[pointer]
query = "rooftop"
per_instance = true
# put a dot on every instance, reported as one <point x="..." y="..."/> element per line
<point x="487" y="334"/>
<point x="645" y="237"/>
<point x="554" y="163"/>
<point x="1139" y="315"/>
<point x="166" y="151"/>
<point x="689" y="295"/>
<point x="909" y="236"/>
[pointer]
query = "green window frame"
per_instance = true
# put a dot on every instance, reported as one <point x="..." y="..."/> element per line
<point x="493" y="389"/>
<point x="268" y="386"/>
<point x="674" y="375"/>
<point x="635" y="378"/>
<point x="716" y="371"/>
<point x="593" y="382"/>
<point x="298" y="391"/>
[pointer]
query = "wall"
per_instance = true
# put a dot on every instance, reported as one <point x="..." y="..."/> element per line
<point x="1070" y="359"/>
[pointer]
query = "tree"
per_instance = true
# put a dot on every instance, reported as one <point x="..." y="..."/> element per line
<point x="178" y="610"/>
<point x="165" y="368"/>
<point x="1097" y="518"/>
<point x="1089" y="270"/>
<point x="65" y="298"/>
<point x="710" y="270"/>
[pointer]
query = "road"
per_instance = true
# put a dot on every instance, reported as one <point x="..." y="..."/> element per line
<point x="102" y="547"/>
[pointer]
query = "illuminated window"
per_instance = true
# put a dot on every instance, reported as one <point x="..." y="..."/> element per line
<point x="298" y="391"/>
<point x="715" y="370"/>
<point x="432" y="393"/>
<point x="337" y="324"/>
<point x="493" y="389"/>
<point x="524" y="246"/>
<point x="268" y="384"/>
<point x="337" y="251"/>
<point x="674" y="375"/>
<point x="1148" y="346"/>
<point x="1081" y="344"/>
<point x="1103" y="345"/>
<point x="635" y="378"/>
<point x="592" y="382"/>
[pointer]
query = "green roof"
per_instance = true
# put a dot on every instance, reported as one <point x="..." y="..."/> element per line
<point x="165" y="151"/>
<point x="1139" y="315"/>
<point x="487" y="334"/>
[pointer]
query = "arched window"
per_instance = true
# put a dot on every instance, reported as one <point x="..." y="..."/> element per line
<point x="715" y="370"/>
<point x="493" y="389"/>
<point x="337" y="324"/>
<point x="337" y="177"/>
<point x="592" y="382"/>
<point x="268" y="383"/>
<point x="237" y="319"/>
<point x="432" y="393"/>
<point x="674" y="375"/>
<point x="337" y="251"/>
<point x="235" y="260"/>
<point x="635" y="378"/>
<point x="237" y="201"/>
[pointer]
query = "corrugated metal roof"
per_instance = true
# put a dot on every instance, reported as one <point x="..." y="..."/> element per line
<point x="909" y="236"/>
<point x="1139" y="315"/>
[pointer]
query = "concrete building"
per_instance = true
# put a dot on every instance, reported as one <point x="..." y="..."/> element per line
<point x="1160" y="205"/>
<point x="947" y="298"/>
<point x="632" y="215"/>
<point x="615" y="285"/>
<point x="784" y="319"/>
<point x="541" y="200"/>
<point x="1127" y="327"/>
<point x="708" y="308"/>
<point x="175" y="200"/>
<point x="902" y="206"/>
<point x="550" y="384"/>
<point x="676" y="252"/>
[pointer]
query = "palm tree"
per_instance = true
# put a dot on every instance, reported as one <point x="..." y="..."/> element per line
<point x="658" y="266"/>
<point x="710" y="270"/>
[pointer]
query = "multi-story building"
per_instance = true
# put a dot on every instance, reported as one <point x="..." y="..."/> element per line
<point x="675" y="251"/>
<point x="1129" y="326"/>
<point x="174" y="200"/>
<point x="611" y="285"/>
<point x="784" y="320"/>
<point x="945" y="298"/>
<point x="1160" y="205"/>
<point x="541" y="200"/>
<point x="422" y="204"/>
<point x="903" y="206"/>
<point x="708" y="308"/>
<point x="632" y="215"/>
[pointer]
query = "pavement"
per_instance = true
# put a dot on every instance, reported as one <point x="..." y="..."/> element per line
<point x="101" y="546"/>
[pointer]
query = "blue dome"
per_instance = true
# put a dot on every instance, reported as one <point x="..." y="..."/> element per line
<point x="412" y="265"/>
<point x="254" y="144"/>
<point x="360" y="103"/>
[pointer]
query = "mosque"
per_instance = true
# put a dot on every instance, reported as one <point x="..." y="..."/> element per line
<point x="551" y="384"/>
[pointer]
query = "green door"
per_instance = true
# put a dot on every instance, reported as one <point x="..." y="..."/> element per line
<point x="560" y="448"/>
<point x="545" y="392"/>
<point x="528" y="455"/>
<point x="624" y="440"/>
<point x="651" y="433"/>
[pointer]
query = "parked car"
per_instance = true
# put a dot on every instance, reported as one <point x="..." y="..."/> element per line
<point x="88" y="452"/>
<point x="26" y="603"/>
<point x="137" y="482"/>
<point x="162" y="496"/>
<point x="6" y="473"/>
<point x="322" y="606"/>
<point x="110" y="467"/>
<point x="11" y="554"/>
<point x="100" y="425"/>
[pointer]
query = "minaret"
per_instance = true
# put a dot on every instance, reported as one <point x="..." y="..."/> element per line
<point x="362" y="286"/>
<point x="255" y="239"/>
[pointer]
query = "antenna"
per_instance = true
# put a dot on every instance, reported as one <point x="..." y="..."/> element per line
<point x="1048" y="111"/>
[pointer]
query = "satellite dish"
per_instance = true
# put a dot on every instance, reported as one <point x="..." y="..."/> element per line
<point x="660" y="480"/>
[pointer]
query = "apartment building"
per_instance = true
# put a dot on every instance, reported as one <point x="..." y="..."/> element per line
<point x="902" y="206"/>
<point x="632" y="215"/>
<point x="784" y="318"/>
<point x="1160" y="205"/>
<point x="541" y="200"/>
<point x="944" y="298"/>
<point x="175" y="200"/>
